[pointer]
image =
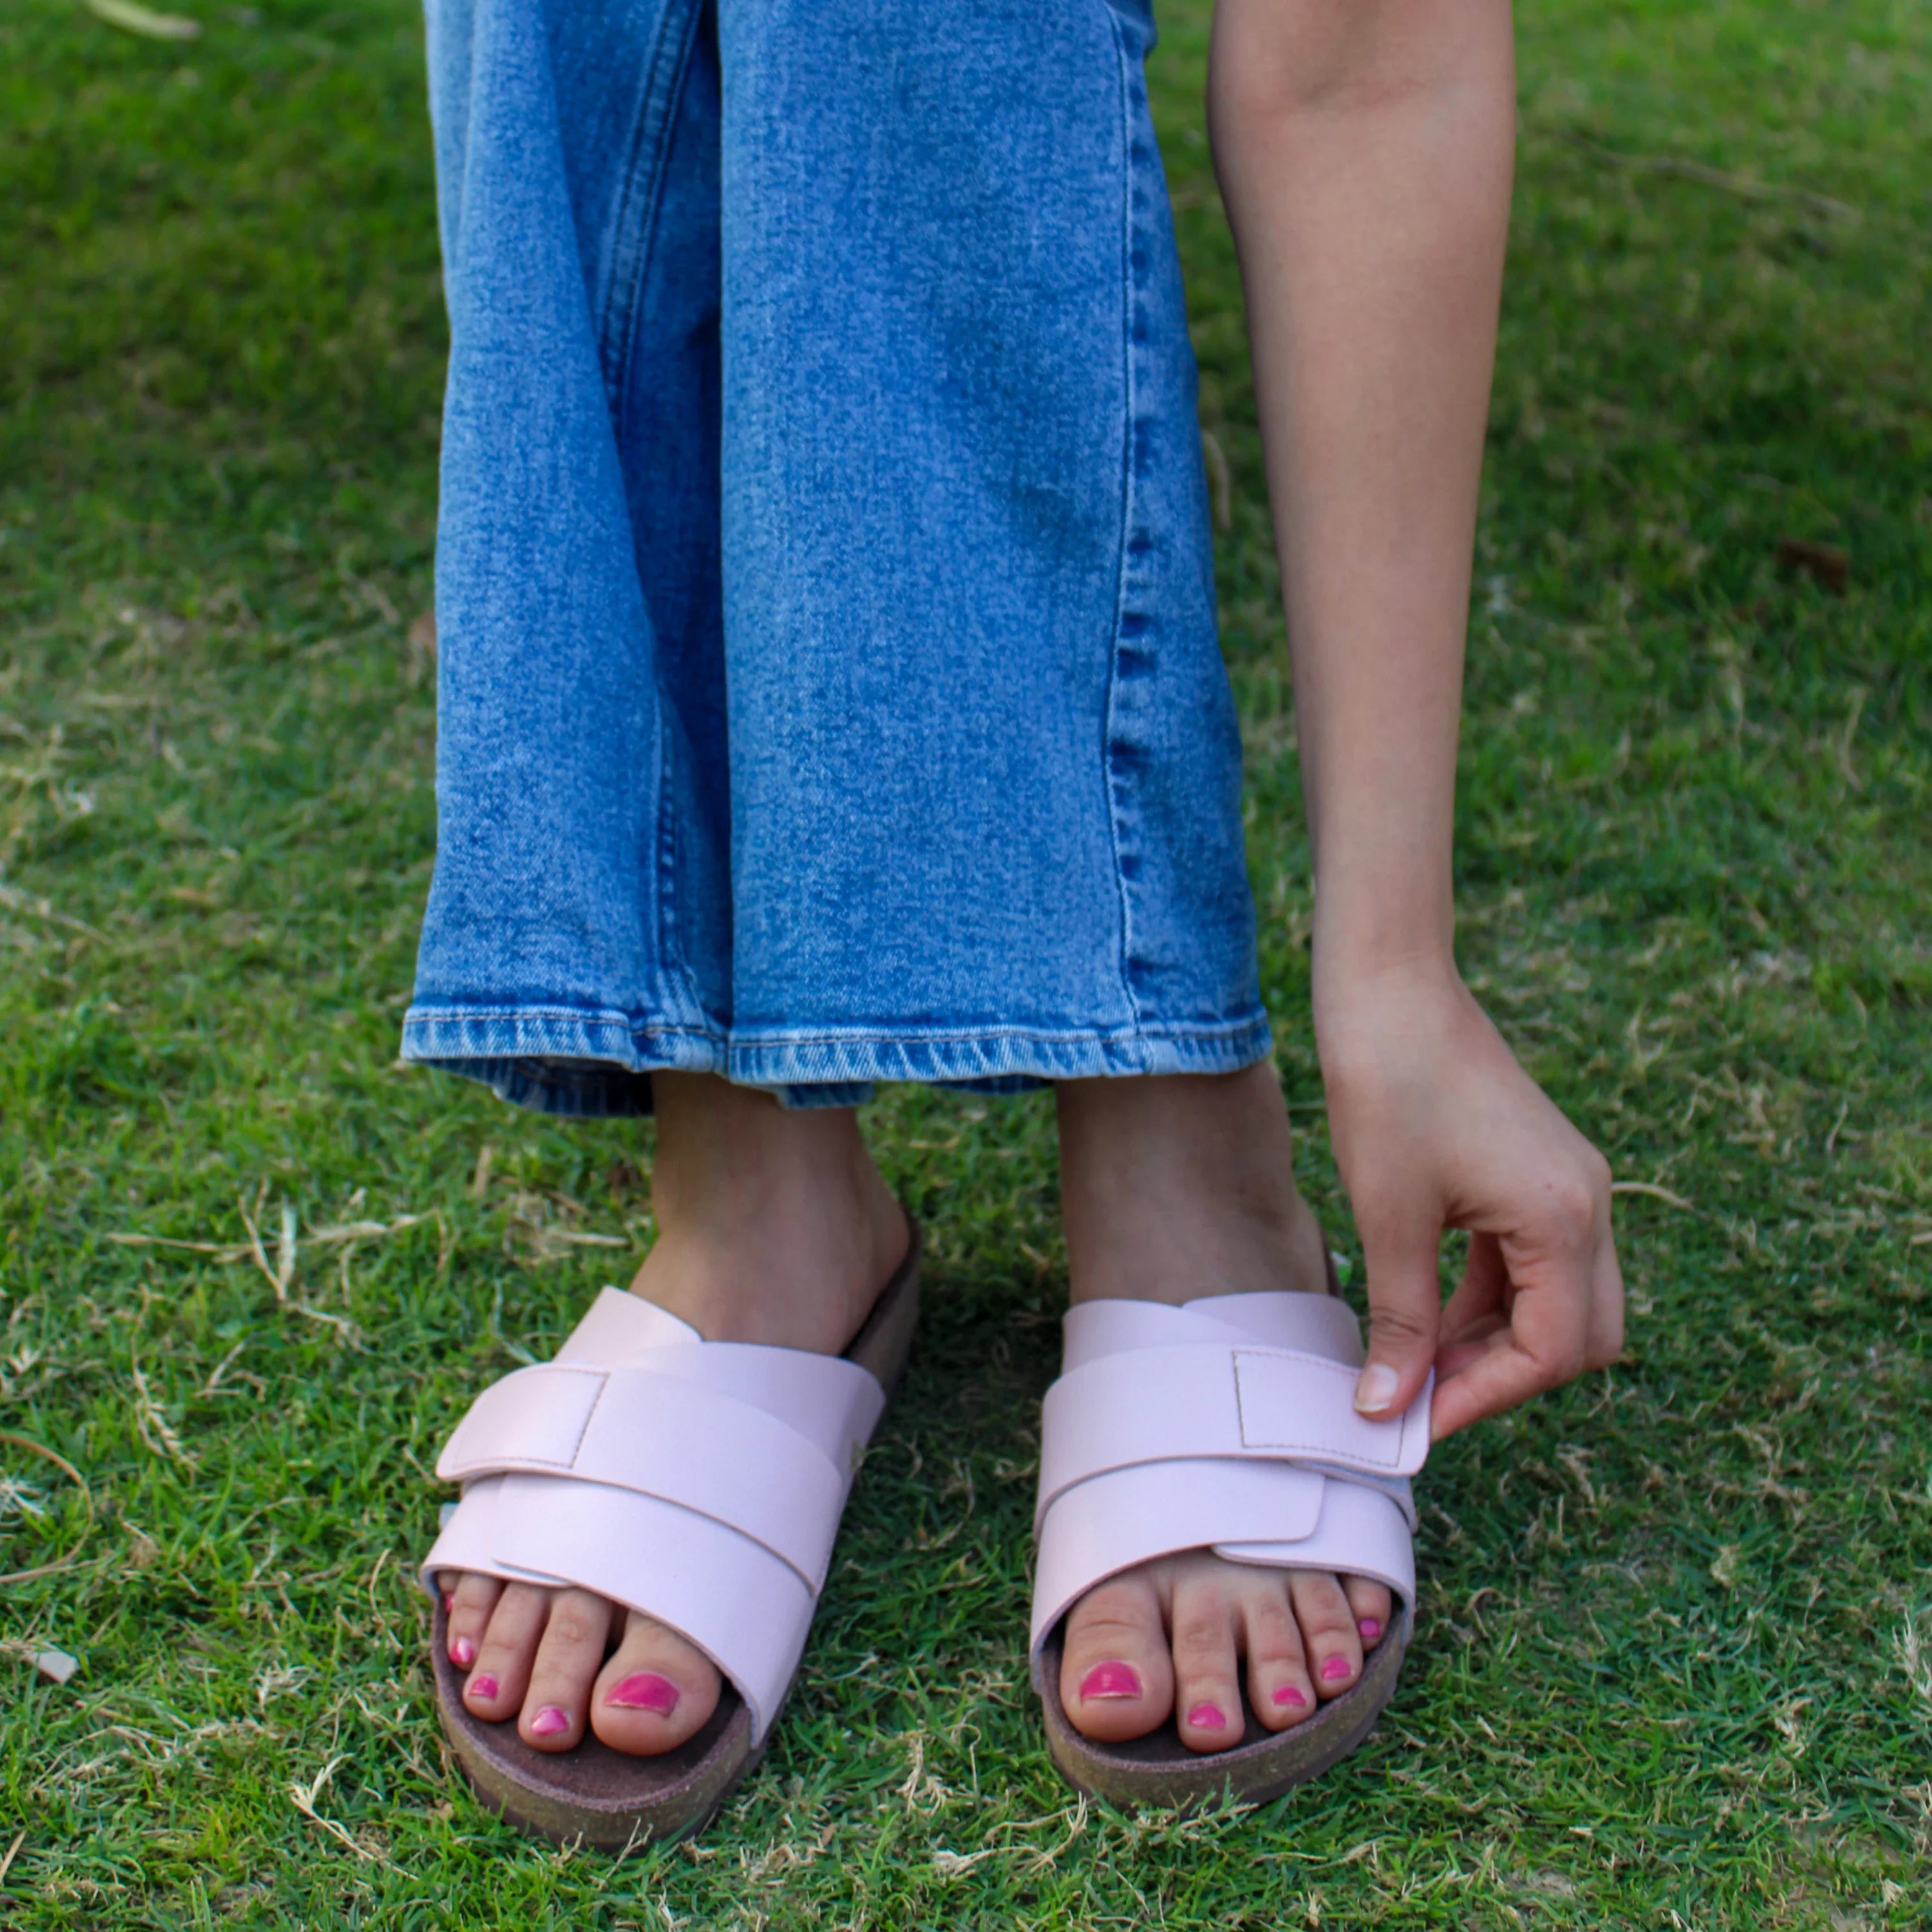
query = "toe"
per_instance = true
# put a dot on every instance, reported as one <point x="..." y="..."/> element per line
<point x="470" y="1599"/>
<point x="1278" y="1688"/>
<point x="1371" y="1606"/>
<point x="1116" y="1677"/>
<point x="1207" y="1689"/>
<point x="1329" y="1638"/>
<point x="657" y="1689"/>
<point x="567" y="1662"/>
<point x="494" y="1690"/>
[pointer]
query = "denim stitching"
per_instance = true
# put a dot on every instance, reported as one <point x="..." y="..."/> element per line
<point x="633" y="230"/>
<point x="671" y="946"/>
<point x="628" y="251"/>
<point x="1110" y="770"/>
<point x="464" y="1019"/>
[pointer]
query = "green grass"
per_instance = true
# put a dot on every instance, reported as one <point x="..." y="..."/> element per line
<point x="1675" y="1667"/>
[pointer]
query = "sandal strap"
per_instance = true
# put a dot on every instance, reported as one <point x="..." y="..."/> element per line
<point x="1213" y="1402"/>
<point x="683" y="1441"/>
<point x="699" y="1482"/>
<point x="1226" y="1423"/>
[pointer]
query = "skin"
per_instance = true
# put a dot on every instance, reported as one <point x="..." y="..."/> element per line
<point x="1364" y="149"/>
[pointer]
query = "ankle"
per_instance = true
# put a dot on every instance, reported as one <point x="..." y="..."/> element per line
<point x="1176" y="1186"/>
<point x="774" y="1226"/>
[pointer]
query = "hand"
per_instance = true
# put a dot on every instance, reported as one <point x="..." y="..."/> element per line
<point x="1435" y="1125"/>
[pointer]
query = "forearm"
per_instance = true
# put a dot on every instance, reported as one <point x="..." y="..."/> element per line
<point x="1364" y="150"/>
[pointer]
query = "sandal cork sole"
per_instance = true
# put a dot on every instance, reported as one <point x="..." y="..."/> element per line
<point x="592" y="1795"/>
<point x="1159" y="1772"/>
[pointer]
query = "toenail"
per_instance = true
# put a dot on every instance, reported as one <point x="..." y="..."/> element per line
<point x="645" y="1691"/>
<point x="448" y="1602"/>
<point x="1109" y="1680"/>
<point x="1287" y="1693"/>
<point x="1370" y="1629"/>
<point x="483" y="1687"/>
<point x="548" y="1722"/>
<point x="1208" y="1717"/>
<point x="1337" y="1666"/>
<point x="462" y="1651"/>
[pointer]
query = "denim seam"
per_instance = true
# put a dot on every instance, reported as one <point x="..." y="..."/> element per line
<point x="628" y="249"/>
<point x="1111" y="773"/>
<point x="755" y="1038"/>
<point x="971" y="1036"/>
<point x="670" y="943"/>
<point x="633" y="234"/>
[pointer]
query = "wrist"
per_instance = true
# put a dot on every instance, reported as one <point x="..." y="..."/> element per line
<point x="1361" y="950"/>
<point x="1372" y="999"/>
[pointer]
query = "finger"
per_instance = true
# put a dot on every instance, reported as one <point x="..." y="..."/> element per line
<point x="1404" y="1314"/>
<point x="1545" y="1346"/>
<point x="1481" y="1299"/>
<point x="1606" y="1340"/>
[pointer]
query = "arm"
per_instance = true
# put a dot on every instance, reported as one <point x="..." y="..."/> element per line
<point x="1364" y="150"/>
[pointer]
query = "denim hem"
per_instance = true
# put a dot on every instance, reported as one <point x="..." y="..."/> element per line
<point x="588" y="1065"/>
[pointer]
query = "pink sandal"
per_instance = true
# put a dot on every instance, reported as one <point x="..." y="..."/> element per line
<point x="730" y="1464"/>
<point x="1229" y="1422"/>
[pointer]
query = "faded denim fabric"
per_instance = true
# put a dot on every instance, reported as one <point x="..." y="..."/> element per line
<point x="830" y="686"/>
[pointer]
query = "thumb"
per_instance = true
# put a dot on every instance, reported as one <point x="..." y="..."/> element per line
<point x="1404" y="1317"/>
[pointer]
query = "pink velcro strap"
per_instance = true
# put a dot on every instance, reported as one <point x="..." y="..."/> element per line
<point x="1206" y="1400"/>
<point x="660" y="1435"/>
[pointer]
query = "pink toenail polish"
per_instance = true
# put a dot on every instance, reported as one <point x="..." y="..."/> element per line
<point x="1336" y="1666"/>
<point x="645" y="1691"/>
<point x="484" y="1687"/>
<point x="1208" y="1717"/>
<point x="462" y="1651"/>
<point x="1287" y="1693"/>
<point x="1370" y="1629"/>
<point x="1109" y="1680"/>
<point x="448" y="1602"/>
<point x="548" y="1722"/>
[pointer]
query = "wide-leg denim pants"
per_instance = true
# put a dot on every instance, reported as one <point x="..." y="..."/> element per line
<point x="828" y="684"/>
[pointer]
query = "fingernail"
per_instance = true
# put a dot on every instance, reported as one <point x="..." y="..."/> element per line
<point x="1109" y="1680"/>
<point x="645" y="1691"/>
<point x="1369" y="1629"/>
<point x="1287" y="1693"/>
<point x="1208" y="1717"/>
<point x="484" y="1687"/>
<point x="1376" y="1389"/>
<point x="548" y="1722"/>
<point x="1337" y="1666"/>
<point x="462" y="1651"/>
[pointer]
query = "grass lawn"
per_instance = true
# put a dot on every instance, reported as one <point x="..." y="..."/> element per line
<point x="1675" y="1665"/>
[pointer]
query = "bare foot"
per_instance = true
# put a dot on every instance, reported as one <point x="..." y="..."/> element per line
<point x="775" y="1227"/>
<point x="1173" y="1188"/>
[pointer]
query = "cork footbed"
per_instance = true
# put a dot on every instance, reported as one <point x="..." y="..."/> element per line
<point x="1159" y="1771"/>
<point x="594" y="1795"/>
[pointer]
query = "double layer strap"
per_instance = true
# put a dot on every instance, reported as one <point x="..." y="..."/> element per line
<point x="1213" y="1401"/>
<point x="680" y="1440"/>
<point x="1227" y="1423"/>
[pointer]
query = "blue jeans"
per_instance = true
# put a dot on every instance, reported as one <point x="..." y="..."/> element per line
<point x="830" y="690"/>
